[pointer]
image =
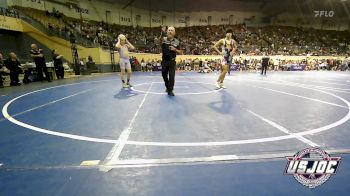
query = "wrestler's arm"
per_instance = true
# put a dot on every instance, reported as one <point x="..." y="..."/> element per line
<point x="217" y="44"/>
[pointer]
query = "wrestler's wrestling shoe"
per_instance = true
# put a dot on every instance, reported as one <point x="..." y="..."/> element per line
<point x="218" y="85"/>
<point x="125" y="85"/>
<point x="170" y="93"/>
<point x="129" y="84"/>
<point x="222" y="86"/>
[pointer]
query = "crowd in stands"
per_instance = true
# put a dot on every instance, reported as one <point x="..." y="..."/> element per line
<point x="55" y="13"/>
<point x="253" y="41"/>
<point x="9" y="12"/>
<point x="246" y="63"/>
<point x="198" y="40"/>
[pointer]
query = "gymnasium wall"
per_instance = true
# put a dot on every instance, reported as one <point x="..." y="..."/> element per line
<point x="12" y="42"/>
<point x="18" y="42"/>
<point x="62" y="46"/>
<point x="13" y="39"/>
<point x="309" y="20"/>
<point x="96" y="10"/>
<point x="3" y="3"/>
<point x="12" y="24"/>
<point x="131" y="16"/>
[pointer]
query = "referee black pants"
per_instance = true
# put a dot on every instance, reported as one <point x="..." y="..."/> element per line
<point x="40" y="69"/>
<point x="14" y="77"/>
<point x="168" y="73"/>
<point x="59" y="72"/>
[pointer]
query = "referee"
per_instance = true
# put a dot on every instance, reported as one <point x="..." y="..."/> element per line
<point x="170" y="47"/>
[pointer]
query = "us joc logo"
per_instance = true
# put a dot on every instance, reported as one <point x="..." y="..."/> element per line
<point x="312" y="166"/>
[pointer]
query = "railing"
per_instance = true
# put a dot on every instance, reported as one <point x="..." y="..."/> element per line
<point x="34" y="23"/>
<point x="51" y="32"/>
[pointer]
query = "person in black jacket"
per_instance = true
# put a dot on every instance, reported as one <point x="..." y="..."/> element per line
<point x="58" y="64"/>
<point x="40" y="63"/>
<point x="14" y="66"/>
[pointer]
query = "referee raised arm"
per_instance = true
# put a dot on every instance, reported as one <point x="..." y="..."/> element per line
<point x="170" y="47"/>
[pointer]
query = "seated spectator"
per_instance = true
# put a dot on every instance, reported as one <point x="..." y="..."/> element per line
<point x="346" y="63"/>
<point x="143" y="65"/>
<point x="13" y="65"/>
<point x="187" y="65"/>
<point x="196" y="64"/>
<point x="27" y="69"/>
<point x="3" y="71"/>
<point x="159" y="64"/>
<point x="58" y="64"/>
<point x="181" y="65"/>
<point x="50" y="26"/>
<point x="149" y="66"/>
<point x="90" y="65"/>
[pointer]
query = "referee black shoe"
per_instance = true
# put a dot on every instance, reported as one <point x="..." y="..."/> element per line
<point x="170" y="93"/>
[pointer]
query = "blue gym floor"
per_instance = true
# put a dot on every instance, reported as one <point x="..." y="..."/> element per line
<point x="203" y="141"/>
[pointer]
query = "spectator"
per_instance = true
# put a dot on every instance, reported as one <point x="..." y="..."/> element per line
<point x="143" y="65"/>
<point x="40" y="63"/>
<point x="27" y="69"/>
<point x="58" y="64"/>
<point x="196" y="64"/>
<point x="3" y="71"/>
<point x="14" y="66"/>
<point x="50" y="26"/>
<point x="91" y="65"/>
<point x="345" y="64"/>
<point x="149" y="66"/>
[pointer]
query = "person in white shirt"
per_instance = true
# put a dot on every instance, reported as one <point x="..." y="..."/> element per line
<point x="143" y="65"/>
<point x="346" y="61"/>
